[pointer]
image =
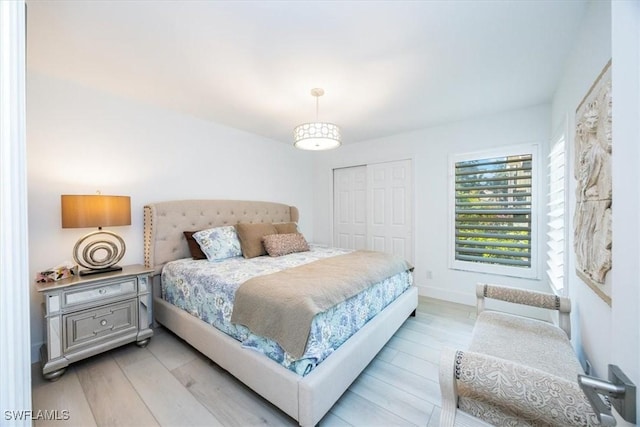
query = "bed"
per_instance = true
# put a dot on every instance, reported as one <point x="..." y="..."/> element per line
<point x="306" y="398"/>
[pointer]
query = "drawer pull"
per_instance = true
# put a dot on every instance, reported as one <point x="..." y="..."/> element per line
<point x="102" y="291"/>
<point x="103" y="322"/>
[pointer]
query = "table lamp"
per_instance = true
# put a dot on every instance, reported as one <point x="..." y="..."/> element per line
<point x="99" y="251"/>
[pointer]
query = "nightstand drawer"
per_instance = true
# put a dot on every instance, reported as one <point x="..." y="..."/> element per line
<point x="89" y="326"/>
<point x="99" y="293"/>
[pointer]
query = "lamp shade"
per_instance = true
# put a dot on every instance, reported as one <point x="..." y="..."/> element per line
<point x="84" y="211"/>
<point x="317" y="136"/>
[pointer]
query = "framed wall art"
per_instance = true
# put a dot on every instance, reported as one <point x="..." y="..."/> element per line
<point x="592" y="170"/>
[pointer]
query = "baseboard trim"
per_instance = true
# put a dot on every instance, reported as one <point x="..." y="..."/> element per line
<point x="448" y="295"/>
<point x="35" y="352"/>
<point x="470" y="299"/>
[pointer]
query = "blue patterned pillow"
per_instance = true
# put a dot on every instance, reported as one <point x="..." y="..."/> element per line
<point x="218" y="243"/>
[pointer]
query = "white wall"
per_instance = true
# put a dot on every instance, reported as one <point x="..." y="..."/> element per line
<point x="591" y="316"/>
<point x="80" y="140"/>
<point x="430" y="150"/>
<point x="625" y="316"/>
<point x="605" y="334"/>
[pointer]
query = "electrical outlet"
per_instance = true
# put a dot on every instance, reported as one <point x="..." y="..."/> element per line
<point x="429" y="275"/>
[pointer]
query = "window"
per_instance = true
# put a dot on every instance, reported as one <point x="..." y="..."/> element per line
<point x="556" y="216"/>
<point x="494" y="227"/>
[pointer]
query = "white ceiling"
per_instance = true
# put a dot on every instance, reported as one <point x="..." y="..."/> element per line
<point x="386" y="66"/>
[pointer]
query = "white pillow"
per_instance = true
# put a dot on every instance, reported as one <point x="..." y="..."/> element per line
<point x="218" y="243"/>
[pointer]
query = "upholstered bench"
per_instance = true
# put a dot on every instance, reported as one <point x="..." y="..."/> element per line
<point x="517" y="371"/>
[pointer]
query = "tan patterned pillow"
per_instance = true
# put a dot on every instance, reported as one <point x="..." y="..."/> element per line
<point x="283" y="244"/>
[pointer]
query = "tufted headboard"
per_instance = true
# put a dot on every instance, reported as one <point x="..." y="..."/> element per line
<point x="165" y="222"/>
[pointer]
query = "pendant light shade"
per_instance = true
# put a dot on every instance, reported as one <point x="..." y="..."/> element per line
<point x="317" y="135"/>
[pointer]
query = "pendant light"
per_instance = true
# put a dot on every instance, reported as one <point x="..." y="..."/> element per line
<point x="317" y="135"/>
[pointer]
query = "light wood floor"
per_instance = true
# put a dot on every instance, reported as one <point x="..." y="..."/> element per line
<point x="170" y="384"/>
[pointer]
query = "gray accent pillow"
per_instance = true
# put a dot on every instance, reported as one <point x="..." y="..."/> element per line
<point x="218" y="243"/>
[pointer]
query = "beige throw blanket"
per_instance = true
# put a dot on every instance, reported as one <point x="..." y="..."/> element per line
<point x="281" y="305"/>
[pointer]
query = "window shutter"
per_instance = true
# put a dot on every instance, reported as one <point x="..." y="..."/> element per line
<point x="493" y="210"/>
<point x="556" y="216"/>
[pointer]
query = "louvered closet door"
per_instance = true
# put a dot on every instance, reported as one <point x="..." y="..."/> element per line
<point x="373" y="208"/>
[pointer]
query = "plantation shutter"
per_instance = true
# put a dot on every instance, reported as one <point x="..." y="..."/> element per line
<point x="556" y="216"/>
<point x="493" y="210"/>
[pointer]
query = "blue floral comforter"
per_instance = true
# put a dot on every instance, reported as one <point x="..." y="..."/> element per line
<point x="207" y="289"/>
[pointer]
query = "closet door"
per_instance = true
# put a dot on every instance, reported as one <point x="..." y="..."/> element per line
<point x="349" y="207"/>
<point x="373" y="208"/>
<point x="390" y="208"/>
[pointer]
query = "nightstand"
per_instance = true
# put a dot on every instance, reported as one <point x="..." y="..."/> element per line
<point x="84" y="316"/>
